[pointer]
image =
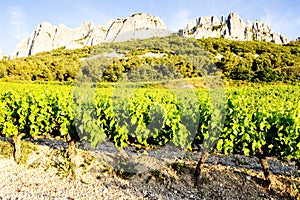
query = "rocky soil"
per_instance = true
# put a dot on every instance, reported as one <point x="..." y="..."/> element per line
<point x="167" y="173"/>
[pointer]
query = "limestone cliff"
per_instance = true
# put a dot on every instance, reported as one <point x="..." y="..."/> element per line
<point x="233" y="28"/>
<point x="47" y="37"/>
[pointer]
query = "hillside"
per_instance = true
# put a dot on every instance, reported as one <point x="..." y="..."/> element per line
<point x="238" y="60"/>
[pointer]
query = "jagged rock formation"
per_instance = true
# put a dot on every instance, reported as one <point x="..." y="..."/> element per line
<point x="48" y="37"/>
<point x="233" y="28"/>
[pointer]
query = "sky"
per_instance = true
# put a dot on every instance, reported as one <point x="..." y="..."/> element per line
<point x="19" y="18"/>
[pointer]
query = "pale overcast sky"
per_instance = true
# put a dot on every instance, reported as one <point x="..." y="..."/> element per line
<point x="19" y="18"/>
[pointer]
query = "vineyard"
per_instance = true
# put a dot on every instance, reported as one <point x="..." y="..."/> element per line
<point x="148" y="114"/>
<point x="263" y="120"/>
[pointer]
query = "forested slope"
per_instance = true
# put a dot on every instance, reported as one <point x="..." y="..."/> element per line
<point x="252" y="61"/>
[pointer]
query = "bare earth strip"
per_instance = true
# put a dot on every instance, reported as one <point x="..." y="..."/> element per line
<point x="40" y="179"/>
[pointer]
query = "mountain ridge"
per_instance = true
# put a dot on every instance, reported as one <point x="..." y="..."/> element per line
<point x="233" y="28"/>
<point x="48" y="37"/>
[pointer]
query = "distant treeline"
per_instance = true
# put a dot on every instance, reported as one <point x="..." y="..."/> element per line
<point x="238" y="60"/>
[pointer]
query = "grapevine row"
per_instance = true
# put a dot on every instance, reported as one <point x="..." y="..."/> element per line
<point x="265" y="119"/>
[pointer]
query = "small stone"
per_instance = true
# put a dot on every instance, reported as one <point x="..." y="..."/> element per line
<point x="105" y="191"/>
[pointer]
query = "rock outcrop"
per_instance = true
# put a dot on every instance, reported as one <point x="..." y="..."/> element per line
<point x="47" y="37"/>
<point x="233" y="28"/>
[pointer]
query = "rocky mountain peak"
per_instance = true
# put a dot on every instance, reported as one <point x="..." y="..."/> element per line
<point x="47" y="37"/>
<point x="233" y="27"/>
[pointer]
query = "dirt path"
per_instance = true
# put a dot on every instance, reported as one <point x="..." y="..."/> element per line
<point x="159" y="174"/>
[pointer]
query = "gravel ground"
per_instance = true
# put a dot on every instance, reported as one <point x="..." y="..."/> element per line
<point x="130" y="174"/>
